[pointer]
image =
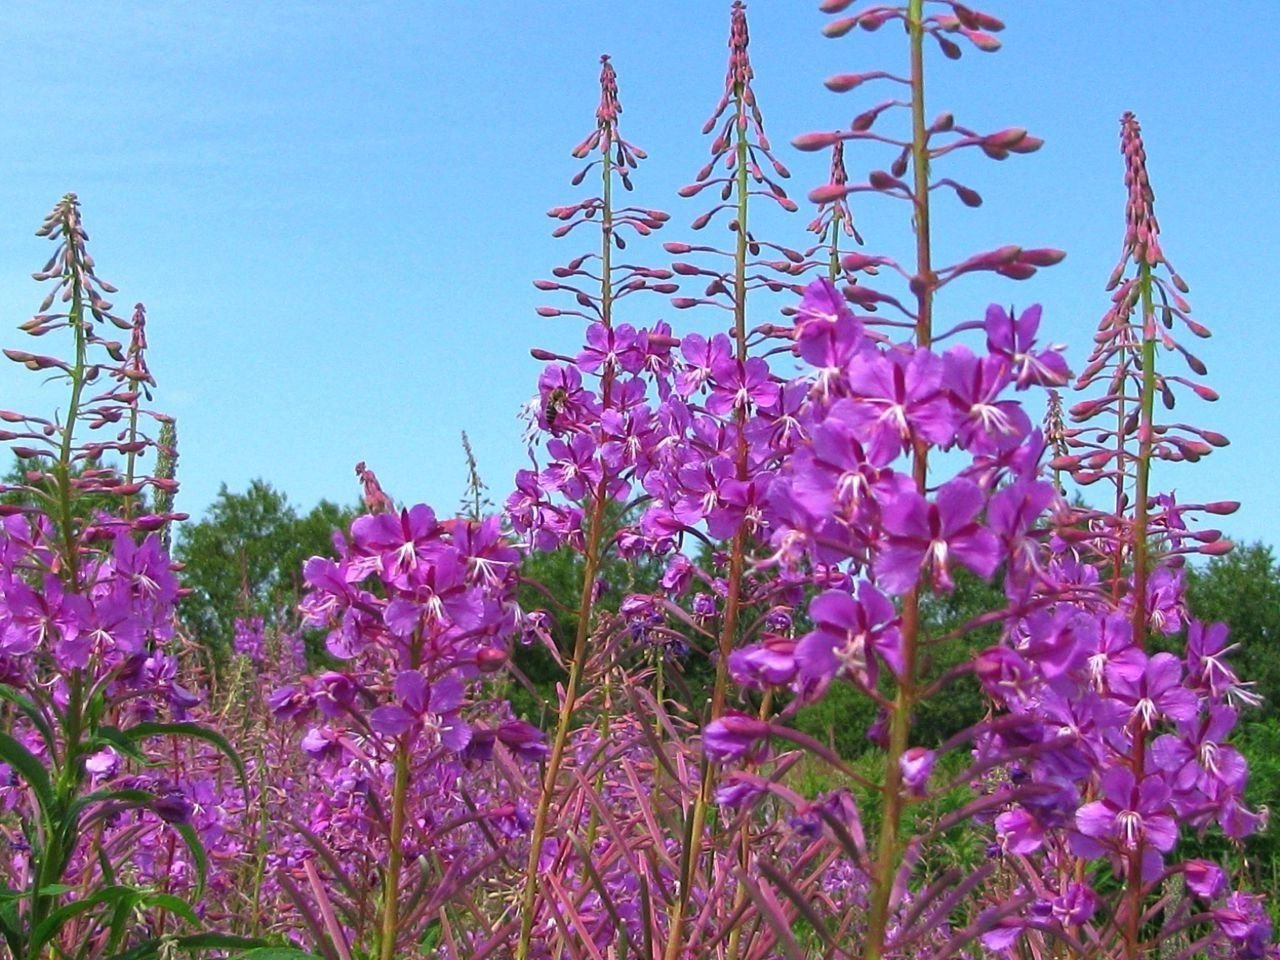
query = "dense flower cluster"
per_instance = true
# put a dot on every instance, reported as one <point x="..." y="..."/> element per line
<point x="783" y="502"/>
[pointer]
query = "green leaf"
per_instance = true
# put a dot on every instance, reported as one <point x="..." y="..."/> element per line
<point x="33" y="712"/>
<point x="114" y="737"/>
<point x="122" y="797"/>
<point x="11" y="928"/>
<point x="167" y="901"/>
<point x="194" y="730"/>
<point x="278" y="953"/>
<point x="191" y="942"/>
<point x="55" y="921"/>
<point x="30" y="769"/>
<point x="192" y="840"/>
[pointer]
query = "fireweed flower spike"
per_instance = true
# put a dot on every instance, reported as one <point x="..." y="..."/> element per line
<point x="417" y="609"/>
<point x="593" y="407"/>
<point x="1148" y="728"/>
<point x="88" y="675"/>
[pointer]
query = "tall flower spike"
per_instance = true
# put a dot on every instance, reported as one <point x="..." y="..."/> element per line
<point x="75" y="464"/>
<point x="616" y="156"/>
<point x="580" y="469"/>
<point x="740" y="153"/>
<point x="833" y="221"/>
<point x="910" y="174"/>
<point x="1123" y="362"/>
<point x="1142" y="231"/>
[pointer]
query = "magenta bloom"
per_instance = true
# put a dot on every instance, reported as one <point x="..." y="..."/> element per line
<point x="701" y="356"/>
<point x="1157" y="692"/>
<point x="734" y="736"/>
<point x="827" y="334"/>
<point x="402" y="541"/>
<point x="1019" y="831"/>
<point x="423" y="707"/>
<point x="851" y="636"/>
<point x="900" y="399"/>
<point x="916" y="764"/>
<point x="987" y="425"/>
<point x="771" y="663"/>
<point x="1013" y="339"/>
<point x="524" y="740"/>
<point x="612" y="348"/>
<point x="1129" y="814"/>
<point x="736" y="386"/>
<point x="922" y="533"/>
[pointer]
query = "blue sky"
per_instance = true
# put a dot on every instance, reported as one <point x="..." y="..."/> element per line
<point x="334" y="211"/>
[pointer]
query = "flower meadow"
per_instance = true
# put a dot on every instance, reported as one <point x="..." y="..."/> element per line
<point x="755" y="521"/>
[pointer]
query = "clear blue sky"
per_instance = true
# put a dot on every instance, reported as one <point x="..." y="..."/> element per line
<point x="333" y="211"/>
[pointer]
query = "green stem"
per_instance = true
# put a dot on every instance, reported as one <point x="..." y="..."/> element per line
<point x="1142" y="476"/>
<point x="733" y="599"/>
<point x="565" y="718"/>
<point x="591" y="566"/>
<point x="395" y="856"/>
<point x="62" y="470"/>
<point x="889" y="847"/>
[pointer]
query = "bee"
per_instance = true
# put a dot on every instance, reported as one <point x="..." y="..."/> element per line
<point x="557" y="399"/>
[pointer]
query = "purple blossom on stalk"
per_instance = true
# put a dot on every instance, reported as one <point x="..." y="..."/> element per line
<point x="919" y="533"/>
<point x="427" y="708"/>
<point x="899" y="399"/>
<point x="852" y="636"/>
<point x="770" y="663"/>
<point x="986" y="424"/>
<point x="1129" y="816"/>
<point x="1013" y="339"/>
<point x="738" y="385"/>
<point x="1158" y="692"/>
<point x="733" y="737"/>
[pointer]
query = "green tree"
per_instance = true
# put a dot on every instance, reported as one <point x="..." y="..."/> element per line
<point x="245" y="556"/>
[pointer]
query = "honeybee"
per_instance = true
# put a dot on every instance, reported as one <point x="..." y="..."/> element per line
<point x="557" y="399"/>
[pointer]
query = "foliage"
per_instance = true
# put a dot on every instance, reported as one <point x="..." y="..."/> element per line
<point x="244" y="558"/>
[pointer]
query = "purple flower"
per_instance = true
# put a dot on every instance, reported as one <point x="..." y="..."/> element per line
<point x="986" y="424"/>
<point x="916" y="765"/>
<point x="738" y="385"/>
<point x="1129" y="814"/>
<point x="899" y="399"/>
<point x="428" y="708"/>
<point x="701" y="356"/>
<point x="734" y="736"/>
<point x="919" y="532"/>
<point x="172" y="806"/>
<point x="1019" y="831"/>
<point x="827" y="334"/>
<point x="611" y="348"/>
<point x="321" y="743"/>
<point x="850" y="636"/>
<point x="1157" y="692"/>
<point x="525" y="740"/>
<point x="1013" y="340"/>
<point x="401" y="541"/>
<point x="1077" y="905"/>
<point x="1206" y="880"/>
<point x="771" y="663"/>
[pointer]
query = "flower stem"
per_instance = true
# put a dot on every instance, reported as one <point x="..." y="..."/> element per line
<point x="591" y="565"/>
<point x="888" y="848"/>
<point x="391" y="886"/>
<point x="737" y="564"/>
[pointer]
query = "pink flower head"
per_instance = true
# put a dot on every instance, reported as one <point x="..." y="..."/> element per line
<point x="424" y="708"/>
<point x="852" y="636"/>
<point x="920" y="533"/>
<point x="1013" y="339"/>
